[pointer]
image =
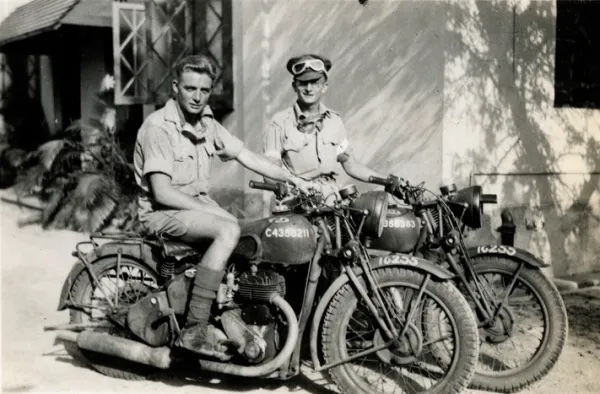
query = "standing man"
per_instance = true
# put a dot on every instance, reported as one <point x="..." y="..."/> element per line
<point x="172" y="160"/>
<point x="308" y="138"/>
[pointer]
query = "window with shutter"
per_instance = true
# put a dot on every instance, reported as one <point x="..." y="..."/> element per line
<point x="131" y="63"/>
<point x="213" y="37"/>
<point x="150" y="37"/>
<point x="577" y="71"/>
<point x="170" y="38"/>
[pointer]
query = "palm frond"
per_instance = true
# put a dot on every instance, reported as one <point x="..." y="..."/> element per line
<point x="94" y="202"/>
<point x="85" y="179"/>
<point x="92" y="187"/>
<point x="64" y="214"/>
<point x="90" y="135"/>
<point x="48" y="151"/>
<point x="29" y="182"/>
<point x="100" y="214"/>
<point x="81" y="132"/>
<point x="53" y="206"/>
<point x="67" y="164"/>
<point x="34" y="168"/>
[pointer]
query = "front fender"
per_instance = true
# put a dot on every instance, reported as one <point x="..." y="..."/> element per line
<point x="392" y="260"/>
<point x="140" y="252"/>
<point x="509" y="252"/>
<point x="412" y="262"/>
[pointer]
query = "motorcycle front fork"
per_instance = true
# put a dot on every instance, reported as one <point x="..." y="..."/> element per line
<point x="487" y="307"/>
<point x="380" y="312"/>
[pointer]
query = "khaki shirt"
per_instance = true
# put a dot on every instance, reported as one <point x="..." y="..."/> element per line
<point x="166" y="143"/>
<point x="309" y="148"/>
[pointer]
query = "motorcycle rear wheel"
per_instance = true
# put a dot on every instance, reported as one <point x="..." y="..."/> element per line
<point x="134" y="281"/>
<point x="534" y="301"/>
<point x="349" y="328"/>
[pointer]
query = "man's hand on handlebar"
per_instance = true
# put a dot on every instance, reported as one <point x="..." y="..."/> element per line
<point x="306" y="187"/>
<point x="392" y="183"/>
<point x="284" y="190"/>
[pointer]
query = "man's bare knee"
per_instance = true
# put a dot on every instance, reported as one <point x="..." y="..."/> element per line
<point x="229" y="232"/>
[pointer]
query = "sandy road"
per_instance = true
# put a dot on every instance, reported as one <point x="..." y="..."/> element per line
<point x="34" y="264"/>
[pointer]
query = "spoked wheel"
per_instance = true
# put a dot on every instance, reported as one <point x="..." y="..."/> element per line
<point x="131" y="283"/>
<point x="436" y="354"/>
<point x="525" y="340"/>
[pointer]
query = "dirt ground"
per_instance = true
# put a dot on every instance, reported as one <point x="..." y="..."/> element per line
<point x="34" y="264"/>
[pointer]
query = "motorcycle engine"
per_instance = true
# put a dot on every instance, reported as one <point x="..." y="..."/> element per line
<point x="253" y="325"/>
<point x="259" y="286"/>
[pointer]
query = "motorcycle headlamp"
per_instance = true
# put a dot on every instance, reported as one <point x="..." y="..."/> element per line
<point x="468" y="205"/>
<point x="376" y="204"/>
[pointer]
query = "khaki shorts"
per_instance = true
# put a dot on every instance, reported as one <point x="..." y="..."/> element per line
<point x="176" y="223"/>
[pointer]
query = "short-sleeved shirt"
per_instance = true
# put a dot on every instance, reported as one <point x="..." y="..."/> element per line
<point x="166" y="143"/>
<point x="308" y="147"/>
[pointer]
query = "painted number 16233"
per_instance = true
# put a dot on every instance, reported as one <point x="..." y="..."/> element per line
<point x="509" y="250"/>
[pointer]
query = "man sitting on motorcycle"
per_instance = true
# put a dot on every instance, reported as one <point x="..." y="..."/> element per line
<point x="172" y="160"/>
<point x="308" y="138"/>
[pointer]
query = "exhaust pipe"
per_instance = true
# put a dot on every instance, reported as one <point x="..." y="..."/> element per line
<point x="120" y="347"/>
<point x="268" y="367"/>
<point x="161" y="357"/>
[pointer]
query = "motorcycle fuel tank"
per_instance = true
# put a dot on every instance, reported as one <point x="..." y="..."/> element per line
<point x="287" y="239"/>
<point x="401" y="231"/>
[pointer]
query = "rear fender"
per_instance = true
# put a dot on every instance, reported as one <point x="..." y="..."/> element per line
<point x="398" y="260"/>
<point x="509" y="252"/>
<point x="136" y="251"/>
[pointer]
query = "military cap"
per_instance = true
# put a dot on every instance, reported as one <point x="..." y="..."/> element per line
<point x="308" y="67"/>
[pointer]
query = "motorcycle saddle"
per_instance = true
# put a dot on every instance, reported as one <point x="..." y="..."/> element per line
<point x="178" y="250"/>
<point x="175" y="248"/>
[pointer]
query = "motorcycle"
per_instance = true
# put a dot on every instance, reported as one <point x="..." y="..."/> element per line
<point x="521" y="315"/>
<point x="376" y="325"/>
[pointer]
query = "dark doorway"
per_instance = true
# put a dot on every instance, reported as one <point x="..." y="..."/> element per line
<point x="577" y="75"/>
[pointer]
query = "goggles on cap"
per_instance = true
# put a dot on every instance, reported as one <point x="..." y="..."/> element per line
<point x="313" y="64"/>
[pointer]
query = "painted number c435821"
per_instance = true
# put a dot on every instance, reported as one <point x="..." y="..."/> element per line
<point x="503" y="249"/>
<point x="287" y="232"/>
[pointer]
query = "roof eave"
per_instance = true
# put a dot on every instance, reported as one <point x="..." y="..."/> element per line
<point x="30" y="34"/>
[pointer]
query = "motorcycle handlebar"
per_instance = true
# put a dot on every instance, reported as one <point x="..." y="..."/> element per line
<point x="394" y="185"/>
<point x="378" y="181"/>
<point x="264" y="186"/>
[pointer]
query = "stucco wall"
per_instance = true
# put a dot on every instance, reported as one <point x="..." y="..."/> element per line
<point x="502" y="131"/>
<point x="386" y="81"/>
<point x="435" y="91"/>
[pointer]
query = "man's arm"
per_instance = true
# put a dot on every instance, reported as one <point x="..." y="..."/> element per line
<point x="359" y="171"/>
<point x="352" y="167"/>
<point x="232" y="148"/>
<point x="268" y="169"/>
<point x="272" y="146"/>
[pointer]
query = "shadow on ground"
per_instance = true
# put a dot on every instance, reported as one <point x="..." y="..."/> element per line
<point x="584" y="320"/>
<point x="309" y="381"/>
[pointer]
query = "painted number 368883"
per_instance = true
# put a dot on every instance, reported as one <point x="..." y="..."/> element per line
<point x="509" y="250"/>
<point x="399" y="223"/>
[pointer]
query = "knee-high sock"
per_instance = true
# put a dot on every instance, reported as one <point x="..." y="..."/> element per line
<point x="204" y="292"/>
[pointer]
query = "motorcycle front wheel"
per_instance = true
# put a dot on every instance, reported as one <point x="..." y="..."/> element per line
<point x="125" y="283"/>
<point x="437" y="354"/>
<point x="529" y="334"/>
